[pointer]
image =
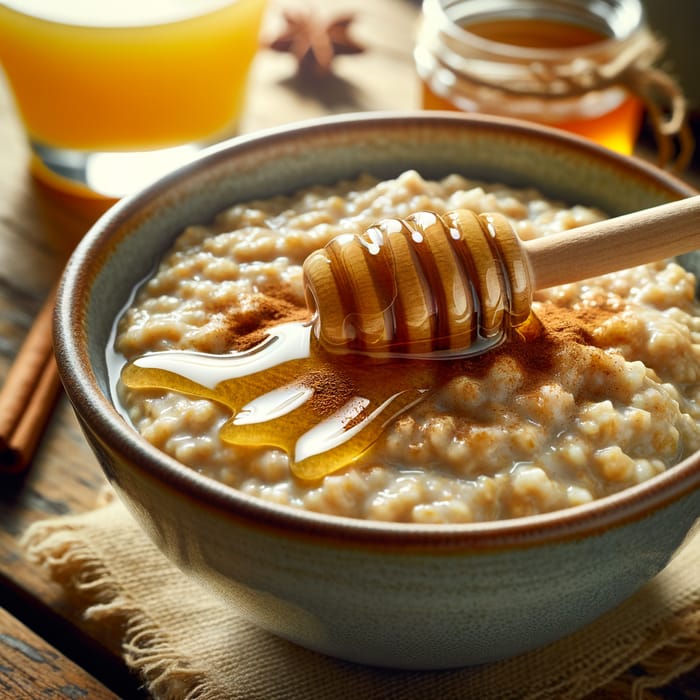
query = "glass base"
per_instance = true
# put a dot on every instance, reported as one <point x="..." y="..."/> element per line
<point x="106" y="174"/>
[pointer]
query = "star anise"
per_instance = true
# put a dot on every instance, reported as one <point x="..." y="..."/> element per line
<point x="315" y="42"/>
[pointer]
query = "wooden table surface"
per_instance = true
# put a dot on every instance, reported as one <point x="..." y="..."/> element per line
<point x="46" y="650"/>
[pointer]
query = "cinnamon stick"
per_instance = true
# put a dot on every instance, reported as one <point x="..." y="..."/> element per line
<point x="28" y="394"/>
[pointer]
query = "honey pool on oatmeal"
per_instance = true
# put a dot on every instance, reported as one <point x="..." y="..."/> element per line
<point x="601" y="396"/>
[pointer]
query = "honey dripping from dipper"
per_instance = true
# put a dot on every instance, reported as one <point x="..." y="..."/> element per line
<point x="396" y="312"/>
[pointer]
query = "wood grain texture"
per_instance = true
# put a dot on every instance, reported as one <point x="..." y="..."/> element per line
<point x="614" y="244"/>
<point x="30" y="668"/>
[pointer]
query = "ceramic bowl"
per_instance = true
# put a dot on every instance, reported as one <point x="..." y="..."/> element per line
<point x="395" y="595"/>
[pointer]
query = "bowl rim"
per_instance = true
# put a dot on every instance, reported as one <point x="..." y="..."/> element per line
<point x="100" y="418"/>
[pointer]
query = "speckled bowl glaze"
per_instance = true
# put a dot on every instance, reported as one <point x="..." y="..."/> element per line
<point x="396" y="595"/>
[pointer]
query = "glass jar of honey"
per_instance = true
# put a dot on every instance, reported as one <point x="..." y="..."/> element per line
<point x="579" y="65"/>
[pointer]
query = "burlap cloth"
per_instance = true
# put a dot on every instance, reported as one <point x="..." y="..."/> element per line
<point x="186" y="644"/>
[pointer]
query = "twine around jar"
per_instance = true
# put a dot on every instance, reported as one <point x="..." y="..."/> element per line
<point x="631" y="67"/>
<point x="664" y="100"/>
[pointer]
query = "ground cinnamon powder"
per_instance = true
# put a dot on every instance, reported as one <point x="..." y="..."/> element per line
<point x="332" y="389"/>
<point x="536" y="346"/>
<point x="245" y="329"/>
<point x="550" y="331"/>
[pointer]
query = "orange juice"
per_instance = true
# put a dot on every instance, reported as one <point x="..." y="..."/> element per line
<point x="96" y="75"/>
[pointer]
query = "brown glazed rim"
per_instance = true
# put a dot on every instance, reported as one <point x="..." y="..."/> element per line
<point x="107" y="425"/>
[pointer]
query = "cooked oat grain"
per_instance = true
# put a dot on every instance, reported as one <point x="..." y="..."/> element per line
<point x="611" y="413"/>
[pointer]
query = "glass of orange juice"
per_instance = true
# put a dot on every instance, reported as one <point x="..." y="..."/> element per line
<point x="113" y="94"/>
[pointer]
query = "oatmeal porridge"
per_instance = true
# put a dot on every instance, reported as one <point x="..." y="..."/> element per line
<point x="601" y="394"/>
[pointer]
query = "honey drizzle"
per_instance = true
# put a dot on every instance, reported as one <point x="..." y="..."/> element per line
<point x="327" y="411"/>
<point x="323" y="412"/>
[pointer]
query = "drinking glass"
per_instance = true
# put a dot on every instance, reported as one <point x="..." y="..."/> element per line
<point x="113" y="94"/>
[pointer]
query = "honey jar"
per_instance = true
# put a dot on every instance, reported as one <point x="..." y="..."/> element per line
<point x="585" y="66"/>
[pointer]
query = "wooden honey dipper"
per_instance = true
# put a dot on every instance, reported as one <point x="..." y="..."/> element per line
<point x="454" y="284"/>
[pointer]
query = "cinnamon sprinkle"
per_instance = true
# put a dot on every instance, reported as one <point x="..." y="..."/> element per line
<point x="331" y="388"/>
<point x="243" y="329"/>
<point x="537" y="347"/>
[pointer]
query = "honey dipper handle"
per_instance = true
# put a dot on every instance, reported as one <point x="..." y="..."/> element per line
<point x="615" y="244"/>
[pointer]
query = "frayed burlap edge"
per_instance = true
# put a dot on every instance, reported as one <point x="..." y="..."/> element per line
<point x="669" y="649"/>
<point x="58" y="546"/>
<point x="670" y="653"/>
